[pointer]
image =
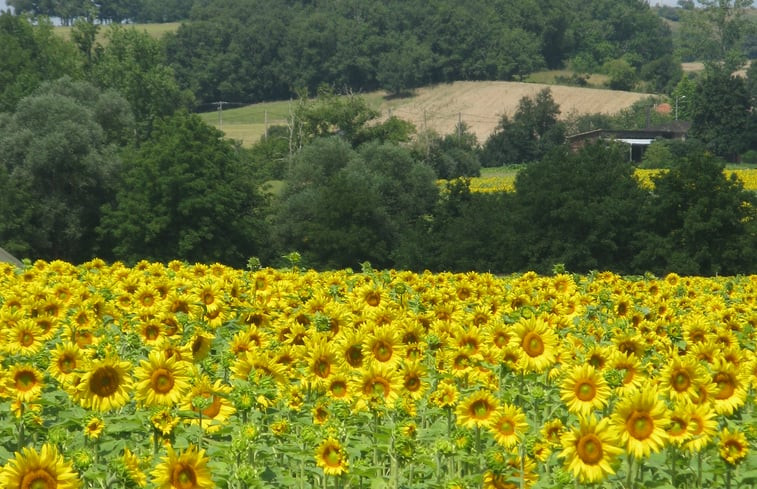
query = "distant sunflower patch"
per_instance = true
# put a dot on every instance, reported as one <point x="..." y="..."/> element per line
<point x="196" y="377"/>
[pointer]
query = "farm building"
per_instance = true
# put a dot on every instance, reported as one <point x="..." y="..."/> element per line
<point x="638" y="140"/>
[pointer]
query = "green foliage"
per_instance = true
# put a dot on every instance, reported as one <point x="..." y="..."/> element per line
<point x="622" y="74"/>
<point x="29" y="55"/>
<point x="400" y="44"/>
<point x="185" y="194"/>
<point x="58" y="159"/>
<point x="721" y="113"/>
<point x="341" y="207"/>
<point x="454" y="155"/>
<point x="578" y="209"/>
<point x="533" y="131"/>
<point x="132" y="63"/>
<point x="657" y="155"/>
<point x="698" y="221"/>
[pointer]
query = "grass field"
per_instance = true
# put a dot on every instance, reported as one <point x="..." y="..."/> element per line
<point x="439" y="107"/>
<point x="155" y="30"/>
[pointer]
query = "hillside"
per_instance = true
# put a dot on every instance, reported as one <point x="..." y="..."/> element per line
<point x="439" y="107"/>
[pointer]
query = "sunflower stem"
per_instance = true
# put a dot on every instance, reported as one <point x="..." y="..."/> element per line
<point x="673" y="468"/>
<point x="728" y="471"/>
<point x="699" y="469"/>
<point x="629" y="474"/>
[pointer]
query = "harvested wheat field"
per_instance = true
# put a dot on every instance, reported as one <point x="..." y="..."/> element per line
<point x="481" y="104"/>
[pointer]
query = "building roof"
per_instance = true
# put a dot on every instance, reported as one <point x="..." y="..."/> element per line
<point x="8" y="258"/>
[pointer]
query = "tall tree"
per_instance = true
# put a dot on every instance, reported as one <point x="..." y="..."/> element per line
<point x="185" y="194"/>
<point x="721" y="113"/>
<point x="29" y="55"/>
<point x="58" y="163"/>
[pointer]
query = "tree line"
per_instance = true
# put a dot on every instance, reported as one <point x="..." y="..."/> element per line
<point x="101" y="156"/>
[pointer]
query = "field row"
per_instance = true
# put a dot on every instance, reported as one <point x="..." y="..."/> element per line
<point x="196" y="376"/>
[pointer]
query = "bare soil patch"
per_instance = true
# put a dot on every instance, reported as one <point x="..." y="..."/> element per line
<point x="481" y="104"/>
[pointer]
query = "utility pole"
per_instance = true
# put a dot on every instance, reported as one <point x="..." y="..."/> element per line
<point x="220" y="105"/>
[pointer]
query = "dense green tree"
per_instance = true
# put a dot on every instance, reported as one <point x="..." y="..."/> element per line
<point x="452" y="155"/>
<point x="721" y="113"/>
<point x="698" y="221"/>
<point x="58" y="164"/>
<point x="341" y="206"/>
<point x="185" y="194"/>
<point x="133" y="63"/>
<point x="577" y="209"/>
<point x="405" y="65"/>
<point x="531" y="133"/>
<point x="29" y="55"/>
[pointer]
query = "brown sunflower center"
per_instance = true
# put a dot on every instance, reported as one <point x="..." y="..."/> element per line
<point x="480" y="409"/>
<point x="162" y="380"/>
<point x="532" y="344"/>
<point x="378" y="387"/>
<point x="382" y="351"/>
<point x="67" y="364"/>
<point x="26" y="339"/>
<point x="373" y="299"/>
<point x="640" y="425"/>
<point x="733" y="448"/>
<point x="152" y="332"/>
<point x="412" y="383"/>
<point x="677" y="426"/>
<point x="38" y="479"/>
<point x="354" y="356"/>
<point x="183" y="477"/>
<point x="725" y="384"/>
<point x="589" y="449"/>
<point x="25" y="380"/>
<point x="322" y="367"/>
<point x="585" y="390"/>
<point x="338" y="388"/>
<point x="105" y="381"/>
<point x="214" y="408"/>
<point x="506" y="427"/>
<point x="681" y="381"/>
<point x="332" y="457"/>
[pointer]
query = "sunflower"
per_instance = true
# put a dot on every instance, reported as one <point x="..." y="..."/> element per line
<point x="509" y="425"/>
<point x="44" y="470"/>
<point x="551" y="431"/>
<point x="65" y="360"/>
<point x="94" y="428"/>
<point x="534" y="336"/>
<point x="679" y="429"/>
<point x="187" y="470"/>
<point x="338" y="388"/>
<point x="331" y="457"/>
<point x="680" y="378"/>
<point x="25" y="338"/>
<point x="639" y="420"/>
<point x="161" y="380"/>
<point x="321" y="359"/>
<point x="200" y="345"/>
<point x="630" y="368"/>
<point x="733" y="446"/>
<point x="105" y="385"/>
<point x="131" y="464"/>
<point x="164" y="421"/>
<point x="584" y="389"/>
<point x="731" y="387"/>
<point x="378" y="383"/>
<point x="383" y="345"/>
<point x="350" y="347"/>
<point x="218" y="408"/>
<point x="590" y="449"/>
<point x="703" y="426"/>
<point x="445" y="395"/>
<point x="25" y="382"/>
<point x="477" y="410"/>
<point x="414" y="380"/>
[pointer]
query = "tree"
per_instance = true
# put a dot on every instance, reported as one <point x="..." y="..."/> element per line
<point x="185" y="194"/>
<point x="342" y="206"/>
<point x="577" y="209"/>
<point x="698" y="221"/>
<point x="721" y="113"/>
<point x="58" y="161"/>
<point x="451" y="156"/>
<point x="533" y="131"/>
<point x="133" y="63"/>
<point x="404" y="66"/>
<point x="29" y="55"/>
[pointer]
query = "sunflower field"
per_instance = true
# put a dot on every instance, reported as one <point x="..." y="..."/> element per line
<point x="202" y="376"/>
<point x="506" y="183"/>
